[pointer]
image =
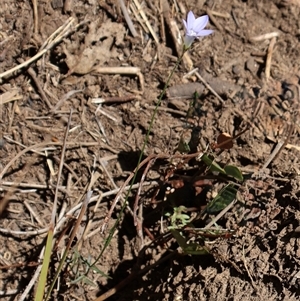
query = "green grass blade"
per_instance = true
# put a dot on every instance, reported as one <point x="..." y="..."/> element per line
<point x="43" y="276"/>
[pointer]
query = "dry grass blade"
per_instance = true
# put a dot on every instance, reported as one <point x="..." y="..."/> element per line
<point x="142" y="13"/>
<point x="127" y="18"/>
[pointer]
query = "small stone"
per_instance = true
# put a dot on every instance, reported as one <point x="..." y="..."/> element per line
<point x="251" y="65"/>
<point x="236" y="69"/>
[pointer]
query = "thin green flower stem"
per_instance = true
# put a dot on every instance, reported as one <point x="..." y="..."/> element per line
<point x="153" y="117"/>
<point x="112" y="230"/>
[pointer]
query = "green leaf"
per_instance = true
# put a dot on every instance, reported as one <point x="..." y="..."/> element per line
<point x="188" y="248"/>
<point x="213" y="166"/>
<point x="223" y="199"/>
<point x="234" y="172"/>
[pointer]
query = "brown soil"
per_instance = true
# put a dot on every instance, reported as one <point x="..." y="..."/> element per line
<point x="260" y="259"/>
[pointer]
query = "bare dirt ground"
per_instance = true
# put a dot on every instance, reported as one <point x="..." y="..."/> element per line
<point x="260" y="260"/>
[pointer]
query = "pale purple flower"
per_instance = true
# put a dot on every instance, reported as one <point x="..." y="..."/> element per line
<point x="194" y="28"/>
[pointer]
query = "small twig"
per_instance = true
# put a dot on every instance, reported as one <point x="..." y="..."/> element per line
<point x="209" y="87"/>
<point x="64" y="98"/>
<point x="280" y="145"/>
<point x="25" y="233"/>
<point x="269" y="57"/>
<point x="246" y="267"/>
<point x="9" y="96"/>
<point x="128" y="19"/>
<point x="117" y="70"/>
<point x="101" y="127"/>
<point x="114" y="99"/>
<point x="265" y="36"/>
<point x="32" y="211"/>
<point x="138" y="221"/>
<point x="32" y="74"/>
<point x="122" y="70"/>
<point x="223" y="212"/>
<point x="137" y="4"/>
<point x="20" y="264"/>
<point x="221" y="15"/>
<point x="36" y="16"/>
<point x="103" y="112"/>
<point x="162" y="23"/>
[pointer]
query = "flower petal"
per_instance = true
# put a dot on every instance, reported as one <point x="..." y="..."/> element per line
<point x="190" y="20"/>
<point x="200" y="23"/>
<point x="204" y="32"/>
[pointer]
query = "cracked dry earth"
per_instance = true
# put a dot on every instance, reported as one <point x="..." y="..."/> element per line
<point x="261" y="260"/>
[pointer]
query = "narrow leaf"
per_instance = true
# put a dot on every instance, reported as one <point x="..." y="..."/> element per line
<point x="223" y="199"/>
<point x="234" y="172"/>
<point x="213" y="166"/>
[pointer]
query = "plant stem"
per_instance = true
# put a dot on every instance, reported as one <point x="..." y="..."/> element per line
<point x="112" y="230"/>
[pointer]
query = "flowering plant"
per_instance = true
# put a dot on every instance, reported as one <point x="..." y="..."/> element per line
<point x="194" y="28"/>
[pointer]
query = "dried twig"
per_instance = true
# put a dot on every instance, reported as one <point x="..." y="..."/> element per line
<point x="208" y="86"/>
<point x="36" y="16"/>
<point x="114" y="99"/>
<point x="138" y="222"/>
<point x="265" y="36"/>
<point x="246" y="267"/>
<point x="34" y="214"/>
<point x="162" y="24"/>
<point x="64" y="98"/>
<point x="280" y="145"/>
<point x="269" y="57"/>
<point x="127" y="18"/>
<point x="122" y="70"/>
<point x="32" y="73"/>
<point x="137" y="4"/>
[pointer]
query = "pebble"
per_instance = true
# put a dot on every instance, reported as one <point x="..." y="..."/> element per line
<point x="251" y="65"/>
